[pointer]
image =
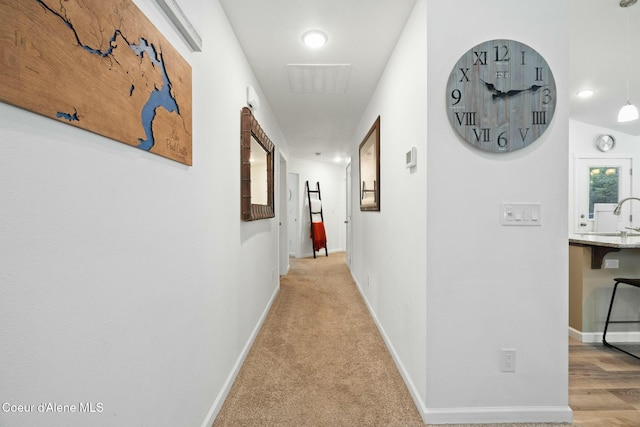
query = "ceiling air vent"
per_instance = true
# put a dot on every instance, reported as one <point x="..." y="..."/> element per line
<point x="318" y="78"/>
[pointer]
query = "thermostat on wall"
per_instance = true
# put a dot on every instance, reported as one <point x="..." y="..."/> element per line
<point x="253" y="101"/>
<point x="411" y="158"/>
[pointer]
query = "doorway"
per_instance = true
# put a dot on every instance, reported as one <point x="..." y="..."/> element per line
<point x="282" y="218"/>
<point x="600" y="184"/>
<point x="293" y="213"/>
<point x="347" y="220"/>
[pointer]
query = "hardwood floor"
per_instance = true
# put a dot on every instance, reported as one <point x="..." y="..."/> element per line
<point x="604" y="385"/>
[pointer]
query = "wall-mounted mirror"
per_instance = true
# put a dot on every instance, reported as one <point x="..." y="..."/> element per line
<point x="370" y="169"/>
<point x="256" y="169"/>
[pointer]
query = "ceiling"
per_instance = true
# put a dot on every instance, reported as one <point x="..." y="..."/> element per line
<point x="362" y="35"/>
<point x="599" y="61"/>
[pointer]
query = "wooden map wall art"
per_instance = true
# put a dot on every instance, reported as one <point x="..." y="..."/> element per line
<point x="100" y="65"/>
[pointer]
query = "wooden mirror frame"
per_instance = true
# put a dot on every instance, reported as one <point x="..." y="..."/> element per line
<point x="374" y="133"/>
<point x="249" y="127"/>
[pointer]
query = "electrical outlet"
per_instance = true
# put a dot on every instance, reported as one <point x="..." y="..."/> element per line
<point x="508" y="360"/>
<point x="611" y="263"/>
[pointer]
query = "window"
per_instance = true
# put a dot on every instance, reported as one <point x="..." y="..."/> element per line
<point x="604" y="185"/>
<point x="599" y="184"/>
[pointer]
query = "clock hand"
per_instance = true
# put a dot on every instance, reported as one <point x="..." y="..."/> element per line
<point x="496" y="93"/>
<point x="489" y="86"/>
<point x="515" y="92"/>
<point x="533" y="88"/>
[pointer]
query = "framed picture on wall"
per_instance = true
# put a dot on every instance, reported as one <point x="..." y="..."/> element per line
<point x="369" y="156"/>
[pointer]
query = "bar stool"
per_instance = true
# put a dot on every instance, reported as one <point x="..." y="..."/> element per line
<point x="630" y="282"/>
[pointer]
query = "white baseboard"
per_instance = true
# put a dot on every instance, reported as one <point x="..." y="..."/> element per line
<point x="596" y="337"/>
<point x="217" y="404"/>
<point x="575" y="334"/>
<point x="523" y="414"/>
<point x="417" y="399"/>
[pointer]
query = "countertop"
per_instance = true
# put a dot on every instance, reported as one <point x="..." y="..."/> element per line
<point x="609" y="240"/>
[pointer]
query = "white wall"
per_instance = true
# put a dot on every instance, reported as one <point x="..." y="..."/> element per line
<point x="491" y="287"/>
<point x="389" y="247"/>
<point x="333" y="191"/>
<point x="124" y="276"/>
<point x="582" y="140"/>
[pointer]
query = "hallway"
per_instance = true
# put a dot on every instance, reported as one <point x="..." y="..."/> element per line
<point x="319" y="359"/>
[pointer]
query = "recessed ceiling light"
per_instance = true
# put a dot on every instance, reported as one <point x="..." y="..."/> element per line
<point x="585" y="93"/>
<point x="314" y="39"/>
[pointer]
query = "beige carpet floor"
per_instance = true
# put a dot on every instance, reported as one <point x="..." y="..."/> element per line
<point x="319" y="359"/>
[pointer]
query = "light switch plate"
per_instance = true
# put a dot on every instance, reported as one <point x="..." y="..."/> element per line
<point x="521" y="214"/>
<point x="411" y="158"/>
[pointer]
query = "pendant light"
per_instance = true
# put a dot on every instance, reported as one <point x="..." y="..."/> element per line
<point x="629" y="111"/>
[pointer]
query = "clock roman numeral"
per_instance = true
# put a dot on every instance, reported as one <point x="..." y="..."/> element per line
<point x="523" y="133"/>
<point x="480" y="57"/>
<point x="484" y="134"/>
<point x="539" y="117"/>
<point x="468" y="118"/>
<point x="539" y="74"/>
<point x="464" y="77"/>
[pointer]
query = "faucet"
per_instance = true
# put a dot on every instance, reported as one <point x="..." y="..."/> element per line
<point x="616" y="211"/>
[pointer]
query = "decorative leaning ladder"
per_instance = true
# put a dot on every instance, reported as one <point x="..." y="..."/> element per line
<point x="318" y="235"/>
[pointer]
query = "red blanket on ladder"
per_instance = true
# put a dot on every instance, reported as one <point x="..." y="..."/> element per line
<point x="319" y="236"/>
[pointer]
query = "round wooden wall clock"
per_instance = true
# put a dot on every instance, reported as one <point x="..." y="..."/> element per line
<point x="501" y="96"/>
